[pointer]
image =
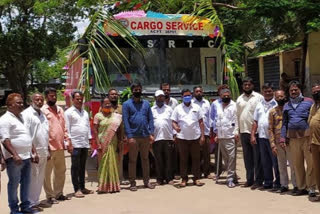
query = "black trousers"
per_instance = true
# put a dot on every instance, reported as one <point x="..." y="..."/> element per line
<point x="161" y="151"/>
<point x="252" y="160"/>
<point x="189" y="148"/>
<point x="78" y="166"/>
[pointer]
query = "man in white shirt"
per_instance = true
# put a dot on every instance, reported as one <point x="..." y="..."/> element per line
<point x="38" y="128"/>
<point x="205" y="148"/>
<point x="170" y="101"/>
<point x="226" y="130"/>
<point x="187" y="120"/>
<point x="163" y="137"/>
<point x="173" y="149"/>
<point x="261" y="125"/>
<point x="17" y="144"/>
<point x="246" y="104"/>
<point x="77" y="122"/>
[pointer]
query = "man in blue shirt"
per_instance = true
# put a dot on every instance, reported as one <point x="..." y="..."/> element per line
<point x="138" y="125"/>
<point x="295" y="127"/>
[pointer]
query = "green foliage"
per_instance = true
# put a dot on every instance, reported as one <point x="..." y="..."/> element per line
<point x="31" y="31"/>
<point x="99" y="43"/>
<point x="125" y="95"/>
<point x="45" y="70"/>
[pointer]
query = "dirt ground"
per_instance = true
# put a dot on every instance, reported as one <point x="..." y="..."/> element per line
<point x="211" y="198"/>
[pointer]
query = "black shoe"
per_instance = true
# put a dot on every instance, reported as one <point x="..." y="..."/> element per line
<point x="312" y="194"/>
<point x="246" y="184"/>
<point x="256" y="186"/>
<point x="275" y="189"/>
<point x="282" y="190"/>
<point x="29" y="210"/>
<point x="295" y="189"/>
<point x="301" y="192"/>
<point x="263" y="188"/>
<point x="63" y="198"/>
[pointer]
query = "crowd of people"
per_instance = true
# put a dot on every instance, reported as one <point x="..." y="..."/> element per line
<point x="273" y="130"/>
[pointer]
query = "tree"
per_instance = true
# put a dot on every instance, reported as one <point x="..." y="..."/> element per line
<point x="31" y="31"/>
<point x="265" y="20"/>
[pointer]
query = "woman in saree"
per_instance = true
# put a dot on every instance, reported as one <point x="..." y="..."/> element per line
<point x="108" y="137"/>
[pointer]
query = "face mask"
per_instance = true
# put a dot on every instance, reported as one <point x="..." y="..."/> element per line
<point x="226" y="100"/>
<point x="316" y="96"/>
<point x="187" y="99"/>
<point x="137" y="94"/>
<point x="106" y="110"/>
<point x="198" y="97"/>
<point x="51" y="103"/>
<point x="159" y="103"/>
<point x="248" y="92"/>
<point x="281" y="102"/>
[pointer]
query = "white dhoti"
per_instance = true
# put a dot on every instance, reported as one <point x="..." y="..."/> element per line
<point x="37" y="178"/>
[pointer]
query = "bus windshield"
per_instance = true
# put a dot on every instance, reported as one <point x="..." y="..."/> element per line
<point x="178" y="66"/>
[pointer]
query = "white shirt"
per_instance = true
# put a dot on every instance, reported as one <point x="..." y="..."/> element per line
<point x="261" y="115"/>
<point x="188" y="121"/>
<point x="162" y="122"/>
<point x="245" y="109"/>
<point x="205" y="107"/>
<point x="226" y="121"/>
<point x="38" y="128"/>
<point x="173" y="103"/>
<point x="13" y="128"/>
<point x="78" y="127"/>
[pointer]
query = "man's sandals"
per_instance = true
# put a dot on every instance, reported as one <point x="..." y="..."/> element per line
<point x="196" y="182"/>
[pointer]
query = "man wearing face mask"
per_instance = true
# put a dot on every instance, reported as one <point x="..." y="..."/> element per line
<point x="139" y="129"/>
<point x="205" y="148"/>
<point x="163" y="137"/>
<point x="260" y="125"/>
<point x="314" y="122"/>
<point x="187" y="121"/>
<point x="226" y="132"/>
<point x="58" y="141"/>
<point x="281" y="150"/>
<point x="246" y="104"/>
<point x="38" y="127"/>
<point x="295" y="127"/>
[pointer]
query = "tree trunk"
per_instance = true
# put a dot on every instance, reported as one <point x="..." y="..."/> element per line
<point x="17" y="78"/>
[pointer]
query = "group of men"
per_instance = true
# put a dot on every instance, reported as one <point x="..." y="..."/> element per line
<point x="34" y="141"/>
<point x="273" y="130"/>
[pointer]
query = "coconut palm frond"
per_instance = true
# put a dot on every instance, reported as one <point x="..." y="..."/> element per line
<point x="100" y="49"/>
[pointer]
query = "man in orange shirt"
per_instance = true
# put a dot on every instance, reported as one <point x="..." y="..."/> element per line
<point x="58" y="141"/>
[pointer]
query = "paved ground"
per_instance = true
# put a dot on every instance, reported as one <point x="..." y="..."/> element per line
<point x="211" y="198"/>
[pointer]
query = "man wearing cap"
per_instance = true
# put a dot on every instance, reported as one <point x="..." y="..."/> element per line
<point x="163" y="137"/>
<point x="187" y="120"/>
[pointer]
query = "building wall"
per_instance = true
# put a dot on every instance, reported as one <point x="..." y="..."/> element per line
<point x="313" y="62"/>
<point x="288" y="59"/>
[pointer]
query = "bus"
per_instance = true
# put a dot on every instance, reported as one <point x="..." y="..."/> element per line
<point x="182" y="50"/>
